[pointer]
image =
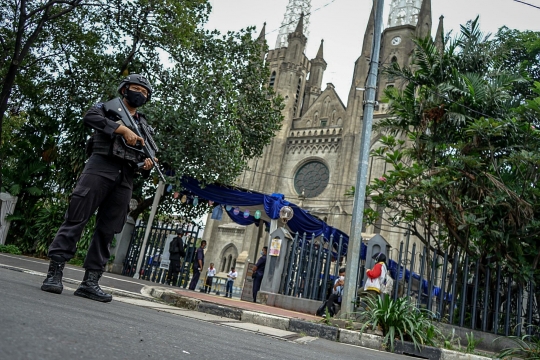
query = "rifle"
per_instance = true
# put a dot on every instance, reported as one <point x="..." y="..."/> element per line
<point x="118" y="108"/>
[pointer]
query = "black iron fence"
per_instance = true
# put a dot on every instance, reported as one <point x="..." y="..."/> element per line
<point x="311" y="266"/>
<point x="151" y="266"/>
<point x="465" y="292"/>
<point x="457" y="289"/>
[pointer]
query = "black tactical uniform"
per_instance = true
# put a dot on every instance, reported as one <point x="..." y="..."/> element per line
<point x="176" y="252"/>
<point x="105" y="185"/>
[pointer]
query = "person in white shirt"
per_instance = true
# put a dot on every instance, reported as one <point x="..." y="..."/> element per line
<point x="231" y="276"/>
<point x="210" y="273"/>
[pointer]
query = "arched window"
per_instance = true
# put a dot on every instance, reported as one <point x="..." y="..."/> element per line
<point x="298" y="88"/>
<point x="272" y="79"/>
<point x="394" y="60"/>
<point x="223" y="264"/>
<point x="230" y="262"/>
<point x="326" y="105"/>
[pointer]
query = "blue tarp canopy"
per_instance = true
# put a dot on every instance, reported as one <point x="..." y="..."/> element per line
<point x="269" y="205"/>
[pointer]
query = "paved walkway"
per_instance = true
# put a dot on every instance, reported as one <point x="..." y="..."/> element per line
<point x="240" y="304"/>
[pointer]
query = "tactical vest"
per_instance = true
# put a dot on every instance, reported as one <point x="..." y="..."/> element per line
<point x="103" y="144"/>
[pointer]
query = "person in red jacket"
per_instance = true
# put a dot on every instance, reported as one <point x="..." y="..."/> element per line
<point x="375" y="276"/>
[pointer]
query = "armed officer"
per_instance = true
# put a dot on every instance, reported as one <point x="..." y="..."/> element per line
<point x="105" y="184"/>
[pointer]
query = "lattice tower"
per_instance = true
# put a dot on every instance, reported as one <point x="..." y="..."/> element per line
<point x="404" y="12"/>
<point x="294" y="9"/>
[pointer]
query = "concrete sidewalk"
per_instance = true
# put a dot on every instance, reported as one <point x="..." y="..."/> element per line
<point x="269" y="317"/>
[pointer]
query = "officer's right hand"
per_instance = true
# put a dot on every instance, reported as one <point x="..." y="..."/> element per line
<point x="130" y="136"/>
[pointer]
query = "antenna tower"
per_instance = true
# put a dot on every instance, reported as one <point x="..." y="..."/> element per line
<point x="404" y="12"/>
<point x="294" y="9"/>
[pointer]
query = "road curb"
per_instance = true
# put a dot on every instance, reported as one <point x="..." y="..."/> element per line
<point x="313" y="329"/>
<point x="426" y="352"/>
<point x="272" y="321"/>
<point x="359" y="339"/>
<point x="456" y="355"/>
<point x="220" y="310"/>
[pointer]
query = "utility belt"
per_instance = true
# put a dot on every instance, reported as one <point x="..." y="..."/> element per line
<point x="102" y="144"/>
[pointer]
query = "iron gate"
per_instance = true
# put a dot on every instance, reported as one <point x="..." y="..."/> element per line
<point x="150" y="268"/>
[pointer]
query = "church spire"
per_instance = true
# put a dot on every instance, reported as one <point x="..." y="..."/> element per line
<point x="423" y="26"/>
<point x="262" y="41"/>
<point x="318" y="66"/>
<point x="293" y="16"/>
<point x="320" y="52"/>
<point x="439" y="36"/>
<point x="262" y="34"/>
<point x="300" y="26"/>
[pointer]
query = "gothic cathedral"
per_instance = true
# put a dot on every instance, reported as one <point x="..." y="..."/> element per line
<point x="313" y="159"/>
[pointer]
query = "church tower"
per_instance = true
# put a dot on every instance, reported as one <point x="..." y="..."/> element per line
<point x="313" y="159"/>
<point x="407" y="19"/>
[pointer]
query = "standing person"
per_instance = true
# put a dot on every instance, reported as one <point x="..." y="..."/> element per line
<point x="376" y="275"/>
<point x="176" y="251"/>
<point x="105" y="185"/>
<point x="210" y="273"/>
<point x="258" y="272"/>
<point x="231" y="276"/>
<point x="198" y="263"/>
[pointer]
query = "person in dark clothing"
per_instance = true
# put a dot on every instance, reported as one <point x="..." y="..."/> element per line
<point x="333" y="303"/>
<point x="176" y="251"/>
<point x="258" y="271"/>
<point x="105" y="185"/>
<point x="198" y="264"/>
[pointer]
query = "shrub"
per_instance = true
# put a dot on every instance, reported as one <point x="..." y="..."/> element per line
<point x="527" y="347"/>
<point x="10" y="249"/>
<point x="400" y="319"/>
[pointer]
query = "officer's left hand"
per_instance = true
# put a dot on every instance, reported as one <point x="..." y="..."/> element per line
<point x="148" y="165"/>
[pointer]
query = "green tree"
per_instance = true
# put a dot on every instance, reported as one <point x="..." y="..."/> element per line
<point x="210" y="109"/>
<point x="520" y="51"/>
<point x="463" y="160"/>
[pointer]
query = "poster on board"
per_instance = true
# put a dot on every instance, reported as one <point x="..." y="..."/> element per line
<point x="275" y="247"/>
<point x="165" y="256"/>
<point x="247" y="290"/>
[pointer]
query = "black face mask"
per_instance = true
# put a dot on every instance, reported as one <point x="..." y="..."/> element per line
<point x="135" y="98"/>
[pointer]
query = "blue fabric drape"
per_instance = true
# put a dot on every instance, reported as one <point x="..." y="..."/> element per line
<point x="302" y="221"/>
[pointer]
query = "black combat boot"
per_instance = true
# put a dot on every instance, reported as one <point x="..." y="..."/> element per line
<point x="90" y="289"/>
<point x="53" y="282"/>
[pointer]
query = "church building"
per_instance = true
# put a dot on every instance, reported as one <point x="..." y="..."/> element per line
<point x="313" y="159"/>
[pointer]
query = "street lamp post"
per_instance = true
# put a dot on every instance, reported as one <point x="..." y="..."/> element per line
<point x="355" y="241"/>
<point x="155" y="204"/>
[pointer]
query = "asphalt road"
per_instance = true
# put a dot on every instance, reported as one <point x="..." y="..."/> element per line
<point x="39" y="325"/>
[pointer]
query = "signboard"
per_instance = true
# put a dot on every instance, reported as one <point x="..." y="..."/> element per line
<point x="165" y="264"/>
<point x="247" y="289"/>
<point x="165" y="256"/>
<point x="275" y="247"/>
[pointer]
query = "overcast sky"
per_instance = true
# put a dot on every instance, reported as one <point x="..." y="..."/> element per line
<point x="342" y="23"/>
